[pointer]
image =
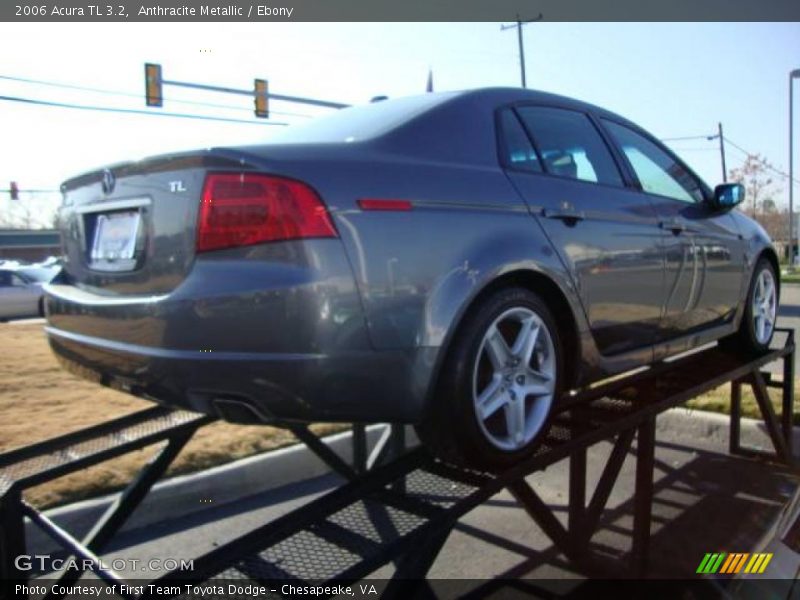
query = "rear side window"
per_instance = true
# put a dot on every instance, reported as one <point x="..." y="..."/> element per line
<point x="517" y="148"/>
<point x="657" y="171"/>
<point x="570" y="145"/>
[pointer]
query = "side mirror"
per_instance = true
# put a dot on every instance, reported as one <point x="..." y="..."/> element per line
<point x="727" y="195"/>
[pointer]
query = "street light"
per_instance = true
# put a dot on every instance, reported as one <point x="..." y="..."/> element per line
<point x="792" y="75"/>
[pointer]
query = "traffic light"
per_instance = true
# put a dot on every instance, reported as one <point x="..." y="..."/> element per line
<point x="152" y="85"/>
<point x="13" y="189"/>
<point x="261" y="93"/>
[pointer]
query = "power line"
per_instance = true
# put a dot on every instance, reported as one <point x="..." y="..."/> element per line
<point x="133" y="111"/>
<point x="767" y="166"/>
<point x="697" y="148"/>
<point x="131" y="95"/>
<point x="691" y="137"/>
<point x="727" y="140"/>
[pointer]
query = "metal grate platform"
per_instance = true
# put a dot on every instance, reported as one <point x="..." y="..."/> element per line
<point x="403" y="511"/>
<point x="348" y="533"/>
<point x="56" y="457"/>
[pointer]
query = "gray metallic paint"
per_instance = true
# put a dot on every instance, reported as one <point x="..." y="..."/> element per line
<point x="356" y="328"/>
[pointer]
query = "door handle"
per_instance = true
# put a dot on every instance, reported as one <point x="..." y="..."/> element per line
<point x="674" y="225"/>
<point x="566" y="212"/>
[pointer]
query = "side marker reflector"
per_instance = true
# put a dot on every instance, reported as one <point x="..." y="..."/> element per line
<point x="380" y="204"/>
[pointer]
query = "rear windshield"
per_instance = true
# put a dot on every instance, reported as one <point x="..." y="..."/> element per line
<point x="359" y="123"/>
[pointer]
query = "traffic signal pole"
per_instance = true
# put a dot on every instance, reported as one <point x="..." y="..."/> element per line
<point x="154" y="83"/>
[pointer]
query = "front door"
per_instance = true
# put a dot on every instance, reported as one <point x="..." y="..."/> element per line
<point x="703" y="249"/>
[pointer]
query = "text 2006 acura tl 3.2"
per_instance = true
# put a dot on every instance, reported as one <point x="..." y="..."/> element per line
<point x="453" y="260"/>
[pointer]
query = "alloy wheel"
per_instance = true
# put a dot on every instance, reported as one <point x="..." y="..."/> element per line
<point x="764" y="306"/>
<point x="514" y="378"/>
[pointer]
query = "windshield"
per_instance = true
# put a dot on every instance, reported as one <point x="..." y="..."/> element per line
<point x="359" y="123"/>
<point x="38" y="274"/>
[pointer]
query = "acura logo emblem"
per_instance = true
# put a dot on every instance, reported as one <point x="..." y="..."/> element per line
<point x="108" y="181"/>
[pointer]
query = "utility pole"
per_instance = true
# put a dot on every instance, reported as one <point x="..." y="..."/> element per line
<point x="792" y="76"/>
<point x="722" y="153"/>
<point x="519" y="25"/>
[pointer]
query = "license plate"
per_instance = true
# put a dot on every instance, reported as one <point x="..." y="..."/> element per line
<point x="115" y="236"/>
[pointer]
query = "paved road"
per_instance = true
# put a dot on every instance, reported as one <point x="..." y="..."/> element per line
<point x="789" y="313"/>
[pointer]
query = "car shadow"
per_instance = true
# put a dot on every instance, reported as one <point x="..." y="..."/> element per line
<point x="714" y="502"/>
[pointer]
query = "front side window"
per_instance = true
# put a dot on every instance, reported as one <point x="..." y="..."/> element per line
<point x="657" y="171"/>
<point x="569" y="144"/>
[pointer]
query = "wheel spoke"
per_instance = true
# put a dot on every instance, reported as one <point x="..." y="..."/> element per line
<point x="538" y="383"/>
<point x="760" y="328"/>
<point x="526" y="340"/>
<point x="515" y="421"/>
<point x="492" y="398"/>
<point x="769" y="290"/>
<point x="768" y="323"/>
<point x="497" y="349"/>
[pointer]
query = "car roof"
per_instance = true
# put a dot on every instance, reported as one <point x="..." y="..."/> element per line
<point x="461" y="128"/>
<point x="497" y="96"/>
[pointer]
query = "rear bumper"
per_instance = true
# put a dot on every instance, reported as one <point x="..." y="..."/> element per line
<point x="279" y="337"/>
<point x="250" y="387"/>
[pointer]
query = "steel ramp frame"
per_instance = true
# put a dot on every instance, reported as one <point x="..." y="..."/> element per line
<point x="402" y="511"/>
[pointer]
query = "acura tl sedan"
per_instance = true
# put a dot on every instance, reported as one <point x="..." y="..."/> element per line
<point x="454" y="260"/>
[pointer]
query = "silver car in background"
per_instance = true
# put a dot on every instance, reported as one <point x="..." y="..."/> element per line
<point x="21" y="291"/>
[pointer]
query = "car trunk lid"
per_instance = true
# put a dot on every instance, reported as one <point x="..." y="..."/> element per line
<point x="131" y="228"/>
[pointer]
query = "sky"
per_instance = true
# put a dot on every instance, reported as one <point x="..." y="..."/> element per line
<point x="674" y="79"/>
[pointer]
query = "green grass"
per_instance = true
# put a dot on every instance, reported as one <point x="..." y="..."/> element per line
<point x="719" y="401"/>
<point x="790" y="277"/>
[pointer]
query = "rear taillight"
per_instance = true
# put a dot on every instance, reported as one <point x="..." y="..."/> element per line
<point x="244" y="209"/>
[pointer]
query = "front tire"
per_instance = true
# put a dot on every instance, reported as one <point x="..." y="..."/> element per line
<point x="499" y="383"/>
<point x="761" y="308"/>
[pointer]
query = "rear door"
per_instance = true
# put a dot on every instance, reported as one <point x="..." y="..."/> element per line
<point x="703" y="248"/>
<point x="606" y="234"/>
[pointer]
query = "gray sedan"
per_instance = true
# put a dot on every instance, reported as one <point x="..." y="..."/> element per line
<point x="455" y="260"/>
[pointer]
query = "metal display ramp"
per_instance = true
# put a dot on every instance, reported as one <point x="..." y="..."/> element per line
<point x="399" y="506"/>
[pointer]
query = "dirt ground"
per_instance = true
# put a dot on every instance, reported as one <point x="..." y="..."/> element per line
<point x="39" y="400"/>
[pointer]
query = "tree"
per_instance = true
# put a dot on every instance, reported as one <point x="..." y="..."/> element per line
<point x="754" y="175"/>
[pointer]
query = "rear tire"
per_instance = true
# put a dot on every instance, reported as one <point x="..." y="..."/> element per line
<point x="498" y="383"/>
<point x="761" y="309"/>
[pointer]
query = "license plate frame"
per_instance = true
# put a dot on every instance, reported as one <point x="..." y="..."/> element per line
<point x="115" y="240"/>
